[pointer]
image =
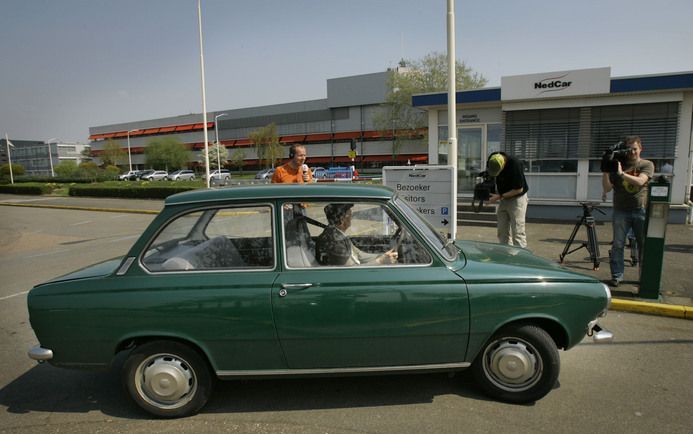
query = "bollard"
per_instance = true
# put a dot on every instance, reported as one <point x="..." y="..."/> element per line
<point x="659" y="196"/>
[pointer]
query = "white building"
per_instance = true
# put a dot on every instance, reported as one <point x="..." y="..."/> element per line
<point x="560" y="123"/>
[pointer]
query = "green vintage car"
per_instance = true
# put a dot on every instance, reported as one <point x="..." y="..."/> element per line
<point x="297" y="280"/>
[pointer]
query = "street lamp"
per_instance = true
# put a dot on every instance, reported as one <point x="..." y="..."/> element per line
<point x="216" y="134"/>
<point x="9" y="157"/>
<point x="50" y="156"/>
<point x="129" y="156"/>
<point x="204" y="93"/>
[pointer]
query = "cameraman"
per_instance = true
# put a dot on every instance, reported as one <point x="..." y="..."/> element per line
<point x="512" y="187"/>
<point x="628" y="179"/>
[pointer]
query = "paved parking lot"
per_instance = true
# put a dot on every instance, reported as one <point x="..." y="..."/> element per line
<point x="639" y="384"/>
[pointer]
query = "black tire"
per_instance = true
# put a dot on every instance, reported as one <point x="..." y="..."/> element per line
<point x="519" y="364"/>
<point x="167" y="379"/>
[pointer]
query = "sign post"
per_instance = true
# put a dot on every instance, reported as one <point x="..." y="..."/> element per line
<point x="429" y="190"/>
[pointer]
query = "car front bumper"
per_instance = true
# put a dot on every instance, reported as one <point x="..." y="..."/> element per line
<point x="599" y="335"/>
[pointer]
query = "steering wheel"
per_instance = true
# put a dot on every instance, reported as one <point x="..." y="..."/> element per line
<point x="397" y="239"/>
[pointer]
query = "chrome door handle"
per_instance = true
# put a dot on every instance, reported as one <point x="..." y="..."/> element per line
<point x="296" y="285"/>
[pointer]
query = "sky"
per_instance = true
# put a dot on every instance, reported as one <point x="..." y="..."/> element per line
<point x="67" y="65"/>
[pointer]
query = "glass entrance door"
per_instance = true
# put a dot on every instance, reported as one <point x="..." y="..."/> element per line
<point x="469" y="157"/>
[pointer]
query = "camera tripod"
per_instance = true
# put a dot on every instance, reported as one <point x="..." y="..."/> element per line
<point x="592" y="245"/>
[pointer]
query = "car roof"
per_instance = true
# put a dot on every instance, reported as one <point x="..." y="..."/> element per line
<point x="283" y="191"/>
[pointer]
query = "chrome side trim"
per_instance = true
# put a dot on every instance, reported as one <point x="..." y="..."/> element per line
<point x="331" y="371"/>
<point x="126" y="265"/>
<point x="40" y="354"/>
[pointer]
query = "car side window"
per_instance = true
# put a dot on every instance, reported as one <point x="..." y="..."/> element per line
<point x="347" y="234"/>
<point x="214" y="239"/>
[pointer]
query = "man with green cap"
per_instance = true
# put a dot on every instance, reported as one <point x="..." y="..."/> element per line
<point x="512" y="200"/>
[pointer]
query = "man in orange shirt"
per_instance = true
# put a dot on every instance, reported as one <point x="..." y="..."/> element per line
<point x="295" y="171"/>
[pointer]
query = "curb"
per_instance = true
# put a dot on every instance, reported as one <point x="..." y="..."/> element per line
<point x="670" y="310"/>
<point x="81" y="208"/>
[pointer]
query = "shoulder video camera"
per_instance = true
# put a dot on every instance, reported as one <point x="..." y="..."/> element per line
<point x="616" y="153"/>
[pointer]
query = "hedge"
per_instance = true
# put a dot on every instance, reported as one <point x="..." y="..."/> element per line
<point x="31" y="189"/>
<point x="61" y="180"/>
<point x="128" y="191"/>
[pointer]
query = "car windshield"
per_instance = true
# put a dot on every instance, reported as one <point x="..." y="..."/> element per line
<point x="447" y="248"/>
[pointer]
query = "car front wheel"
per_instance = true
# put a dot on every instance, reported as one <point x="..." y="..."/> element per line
<point x="519" y="364"/>
<point x="167" y="379"/>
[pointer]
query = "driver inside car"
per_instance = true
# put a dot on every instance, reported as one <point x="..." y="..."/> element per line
<point x="333" y="246"/>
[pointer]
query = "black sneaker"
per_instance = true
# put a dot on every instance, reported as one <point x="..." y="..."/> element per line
<point x="615" y="282"/>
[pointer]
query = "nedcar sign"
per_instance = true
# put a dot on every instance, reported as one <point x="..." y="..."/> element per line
<point x="556" y="84"/>
<point x="551" y="84"/>
<point x="428" y="189"/>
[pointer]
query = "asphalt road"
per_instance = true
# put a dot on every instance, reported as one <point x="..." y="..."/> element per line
<point x="641" y="383"/>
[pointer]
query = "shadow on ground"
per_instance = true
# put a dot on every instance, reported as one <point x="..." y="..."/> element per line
<point x="45" y="388"/>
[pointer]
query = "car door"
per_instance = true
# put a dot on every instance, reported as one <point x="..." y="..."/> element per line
<point x="211" y="272"/>
<point x="413" y="312"/>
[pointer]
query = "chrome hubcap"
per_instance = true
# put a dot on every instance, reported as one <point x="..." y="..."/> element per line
<point x="165" y="381"/>
<point x="512" y="364"/>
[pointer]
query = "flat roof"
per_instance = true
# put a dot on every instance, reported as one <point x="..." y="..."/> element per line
<point x="647" y="83"/>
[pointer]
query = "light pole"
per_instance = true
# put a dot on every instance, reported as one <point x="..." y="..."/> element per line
<point x="50" y="156"/>
<point x="129" y="156"/>
<point x="395" y="91"/>
<point x="204" y="94"/>
<point x="216" y="134"/>
<point x="9" y="158"/>
<point x="452" y="114"/>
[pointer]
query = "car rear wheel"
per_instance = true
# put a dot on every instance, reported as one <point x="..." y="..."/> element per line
<point x="519" y="364"/>
<point x="167" y="379"/>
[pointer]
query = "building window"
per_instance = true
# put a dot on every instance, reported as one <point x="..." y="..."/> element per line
<point x="546" y="140"/>
<point x="656" y="124"/>
<point x="494" y="135"/>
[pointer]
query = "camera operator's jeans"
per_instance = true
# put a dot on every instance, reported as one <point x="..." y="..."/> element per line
<point x="622" y="222"/>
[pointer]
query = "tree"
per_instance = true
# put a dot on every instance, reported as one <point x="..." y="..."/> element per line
<point x="166" y="153"/>
<point x="266" y="143"/>
<point x="88" y="169"/>
<point x="87" y="154"/>
<point x="113" y="154"/>
<point x="237" y="158"/>
<point x="66" y="169"/>
<point x="17" y="169"/>
<point x="429" y="74"/>
<point x="213" y="160"/>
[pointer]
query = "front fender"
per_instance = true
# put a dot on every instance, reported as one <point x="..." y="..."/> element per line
<point x="563" y="309"/>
